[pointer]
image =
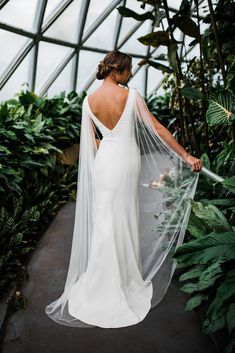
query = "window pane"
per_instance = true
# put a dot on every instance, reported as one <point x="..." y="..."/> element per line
<point x="19" y="77"/>
<point x="63" y="81"/>
<point x="66" y="25"/>
<point x="49" y="56"/>
<point x="102" y="37"/>
<point x="88" y="61"/>
<point x="12" y="44"/>
<point x="21" y="13"/>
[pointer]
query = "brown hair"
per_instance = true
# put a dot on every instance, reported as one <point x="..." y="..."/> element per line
<point x="114" y="60"/>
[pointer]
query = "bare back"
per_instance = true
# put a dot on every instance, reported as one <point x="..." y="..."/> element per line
<point x="107" y="104"/>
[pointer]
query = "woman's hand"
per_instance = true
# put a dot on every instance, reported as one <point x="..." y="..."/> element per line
<point x="196" y="163"/>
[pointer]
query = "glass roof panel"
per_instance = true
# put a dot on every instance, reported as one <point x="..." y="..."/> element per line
<point x="88" y="61"/>
<point x="54" y="54"/>
<point x="96" y="8"/>
<point x="21" y="14"/>
<point x="15" y="43"/>
<point x="52" y="6"/>
<point x="19" y="78"/>
<point x="63" y="80"/>
<point x="133" y="45"/>
<point x="154" y="78"/>
<point x="69" y="20"/>
<point x="137" y="80"/>
<point x="102" y="37"/>
<point x="57" y="51"/>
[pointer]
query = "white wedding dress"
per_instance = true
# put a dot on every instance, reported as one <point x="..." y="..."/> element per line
<point x="131" y="214"/>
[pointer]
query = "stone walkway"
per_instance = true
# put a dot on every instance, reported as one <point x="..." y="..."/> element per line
<point x="166" y="329"/>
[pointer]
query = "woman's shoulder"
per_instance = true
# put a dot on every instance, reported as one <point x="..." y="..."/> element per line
<point x="119" y="91"/>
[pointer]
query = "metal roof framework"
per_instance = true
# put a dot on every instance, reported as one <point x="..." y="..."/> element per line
<point x="44" y="20"/>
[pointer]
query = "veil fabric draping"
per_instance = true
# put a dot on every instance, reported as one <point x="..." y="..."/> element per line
<point x="132" y="210"/>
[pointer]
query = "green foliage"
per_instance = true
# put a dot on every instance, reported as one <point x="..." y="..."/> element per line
<point x="34" y="131"/>
<point x="221" y="109"/>
<point x="156" y="65"/>
<point x="199" y="108"/>
<point x="125" y="12"/>
<point x="230" y="183"/>
<point x="208" y="277"/>
<point x="186" y="25"/>
<point x="209" y="256"/>
<point x="34" y="183"/>
<point x="191" y="93"/>
<point x="155" y="39"/>
<point x="16" y="223"/>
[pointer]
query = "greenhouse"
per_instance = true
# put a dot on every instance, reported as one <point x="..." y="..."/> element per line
<point x="117" y="176"/>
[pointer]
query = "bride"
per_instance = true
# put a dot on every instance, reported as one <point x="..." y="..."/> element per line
<point x="135" y="182"/>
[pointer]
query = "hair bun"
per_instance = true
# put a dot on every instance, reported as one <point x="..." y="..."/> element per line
<point x="113" y="60"/>
<point x="103" y="70"/>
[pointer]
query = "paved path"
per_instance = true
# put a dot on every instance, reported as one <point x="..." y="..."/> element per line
<point x="166" y="329"/>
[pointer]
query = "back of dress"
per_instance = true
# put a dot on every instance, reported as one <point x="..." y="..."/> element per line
<point x="132" y="209"/>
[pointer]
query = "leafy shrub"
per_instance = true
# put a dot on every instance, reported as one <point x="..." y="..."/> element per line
<point x="34" y="183"/>
<point x="209" y="256"/>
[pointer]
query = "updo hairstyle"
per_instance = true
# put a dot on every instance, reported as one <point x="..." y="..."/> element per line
<point x="114" y="60"/>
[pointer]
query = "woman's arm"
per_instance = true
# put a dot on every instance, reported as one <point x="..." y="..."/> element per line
<point x="171" y="141"/>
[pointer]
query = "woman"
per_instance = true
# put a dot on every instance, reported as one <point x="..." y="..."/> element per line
<point x="132" y="207"/>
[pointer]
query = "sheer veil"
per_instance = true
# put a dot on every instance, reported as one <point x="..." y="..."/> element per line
<point x="165" y="185"/>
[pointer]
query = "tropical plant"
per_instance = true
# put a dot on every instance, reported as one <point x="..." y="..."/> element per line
<point x="209" y="256"/>
<point x="34" y="131"/>
<point x="190" y="81"/>
<point x="15" y="224"/>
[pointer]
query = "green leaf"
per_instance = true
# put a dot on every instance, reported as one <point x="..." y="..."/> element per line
<point x="208" y="277"/>
<point x="125" y="12"/>
<point x="193" y="273"/>
<point x="205" y="160"/>
<point x="213" y="247"/>
<point x="224" y="292"/>
<point x="191" y="93"/>
<point x="5" y="150"/>
<point x="220" y="109"/>
<point x="156" y="65"/>
<point x="171" y="54"/>
<point x="195" y="231"/>
<point x="217" y="322"/>
<point x="30" y="163"/>
<point x="27" y="97"/>
<point x="220" y="202"/>
<point x="229" y="183"/>
<point x="196" y="227"/>
<point x="195" y="301"/>
<point x="186" y="25"/>
<point x="155" y="39"/>
<point x="211" y="216"/>
<point x="38" y="124"/>
<point x="40" y="150"/>
<point x="189" y="287"/>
